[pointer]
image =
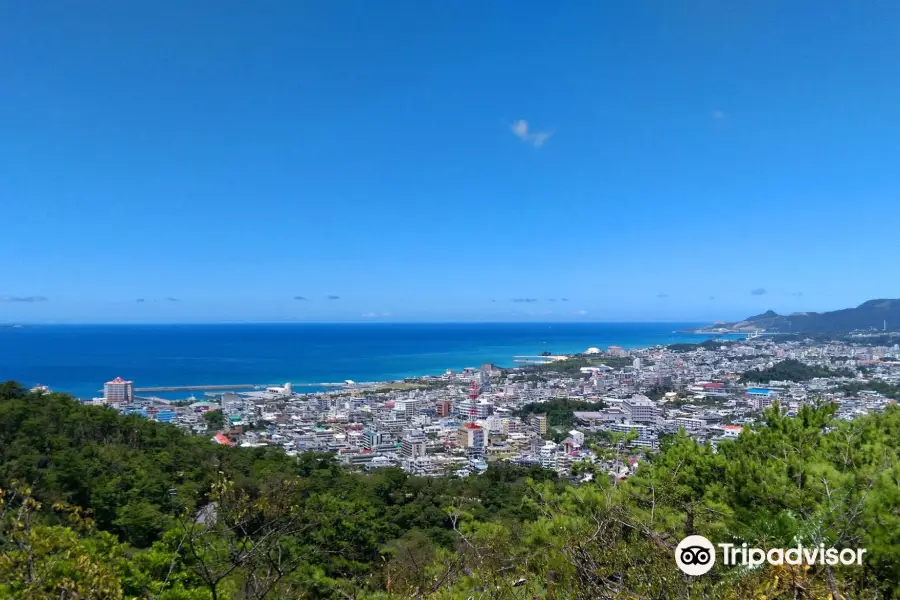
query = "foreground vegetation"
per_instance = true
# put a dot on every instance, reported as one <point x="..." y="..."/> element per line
<point x="98" y="505"/>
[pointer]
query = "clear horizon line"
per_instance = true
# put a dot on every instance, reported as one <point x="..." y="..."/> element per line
<point x="353" y="322"/>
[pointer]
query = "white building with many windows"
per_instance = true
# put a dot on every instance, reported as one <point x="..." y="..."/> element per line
<point x="641" y="409"/>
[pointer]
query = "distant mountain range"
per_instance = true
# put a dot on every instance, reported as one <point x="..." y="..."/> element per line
<point x="874" y="314"/>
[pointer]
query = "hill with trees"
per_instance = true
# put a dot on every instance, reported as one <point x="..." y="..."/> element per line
<point x="99" y="505"/>
<point x="559" y="411"/>
<point x="704" y="345"/>
<point x="791" y="370"/>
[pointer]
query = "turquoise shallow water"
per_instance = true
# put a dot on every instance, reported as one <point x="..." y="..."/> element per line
<point x="79" y="358"/>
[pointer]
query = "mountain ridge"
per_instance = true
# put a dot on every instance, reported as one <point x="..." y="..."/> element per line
<point x="881" y="313"/>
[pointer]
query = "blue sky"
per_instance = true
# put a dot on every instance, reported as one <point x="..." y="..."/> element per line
<point x="438" y="160"/>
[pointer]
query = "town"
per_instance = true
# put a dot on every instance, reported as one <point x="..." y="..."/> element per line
<point x="597" y="413"/>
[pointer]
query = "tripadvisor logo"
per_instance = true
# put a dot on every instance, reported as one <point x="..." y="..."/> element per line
<point x="696" y="555"/>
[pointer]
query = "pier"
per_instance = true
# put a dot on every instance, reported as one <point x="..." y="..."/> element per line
<point x="234" y="386"/>
<point x="196" y="388"/>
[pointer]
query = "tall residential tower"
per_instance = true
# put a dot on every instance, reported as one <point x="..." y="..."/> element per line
<point x="118" y="391"/>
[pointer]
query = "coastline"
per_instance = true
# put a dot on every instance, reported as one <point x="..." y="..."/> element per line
<point x="79" y="359"/>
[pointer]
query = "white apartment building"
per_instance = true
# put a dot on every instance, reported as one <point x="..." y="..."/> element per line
<point x="641" y="409"/>
<point x="118" y="391"/>
<point x="690" y="425"/>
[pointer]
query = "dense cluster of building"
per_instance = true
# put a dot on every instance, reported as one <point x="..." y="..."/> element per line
<point x="459" y="422"/>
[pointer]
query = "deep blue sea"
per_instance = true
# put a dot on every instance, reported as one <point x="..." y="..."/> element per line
<point x="78" y="358"/>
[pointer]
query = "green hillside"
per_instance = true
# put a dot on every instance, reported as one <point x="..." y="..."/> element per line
<point x="97" y="505"/>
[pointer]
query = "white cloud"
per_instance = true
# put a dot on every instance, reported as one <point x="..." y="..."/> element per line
<point x="581" y="312"/>
<point x="520" y="128"/>
<point x="535" y="138"/>
<point x="540" y="137"/>
<point x="369" y="315"/>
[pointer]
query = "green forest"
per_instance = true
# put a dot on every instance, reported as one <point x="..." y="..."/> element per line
<point x="572" y="366"/>
<point x="704" y="345"/>
<point x="791" y="370"/>
<point x="559" y="411"/>
<point x="97" y="505"/>
<point x="874" y="385"/>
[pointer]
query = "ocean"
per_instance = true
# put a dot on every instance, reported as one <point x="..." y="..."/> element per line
<point x="78" y="359"/>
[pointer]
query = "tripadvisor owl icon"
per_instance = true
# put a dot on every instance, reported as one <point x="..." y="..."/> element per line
<point x="695" y="555"/>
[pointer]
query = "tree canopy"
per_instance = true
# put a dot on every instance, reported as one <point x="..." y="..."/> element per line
<point x="94" y="504"/>
<point x="559" y="411"/>
<point x="791" y="370"/>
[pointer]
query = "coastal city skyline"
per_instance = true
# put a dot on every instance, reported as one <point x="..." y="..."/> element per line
<point x="187" y="162"/>
<point x="674" y="421"/>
